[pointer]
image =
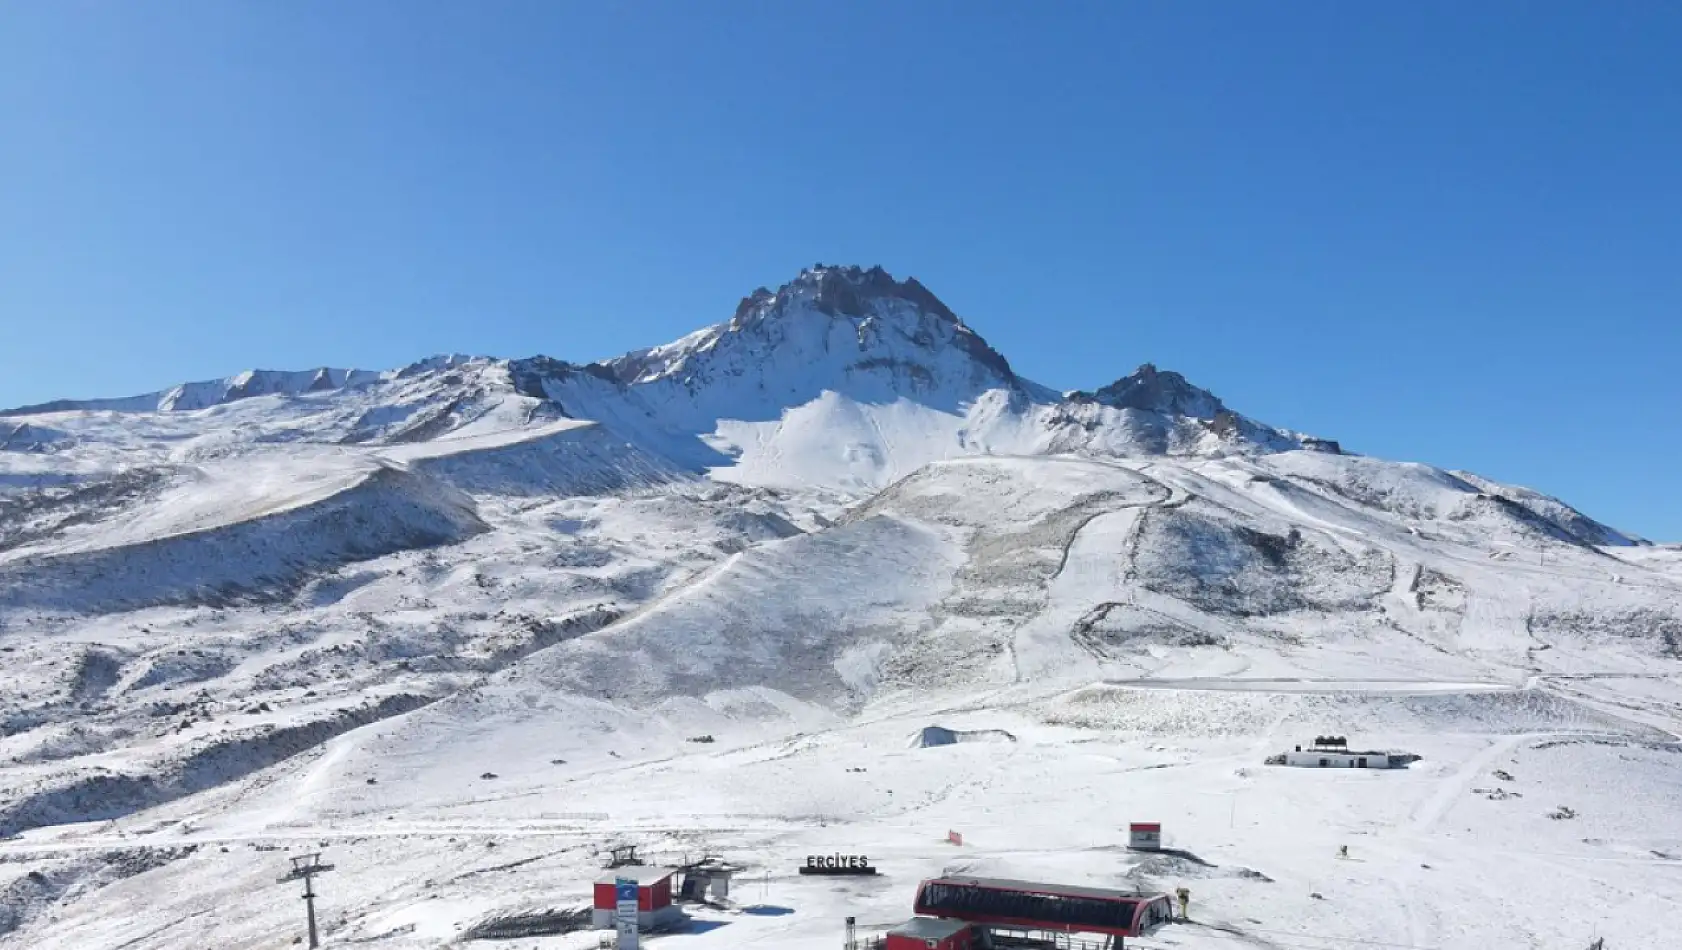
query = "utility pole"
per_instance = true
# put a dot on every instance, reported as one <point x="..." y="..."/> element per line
<point x="305" y="868"/>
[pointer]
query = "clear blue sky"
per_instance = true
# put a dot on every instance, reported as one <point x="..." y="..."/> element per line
<point x="1449" y="232"/>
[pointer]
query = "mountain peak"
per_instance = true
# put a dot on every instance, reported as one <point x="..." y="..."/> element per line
<point x="1165" y="413"/>
<point x="844" y="291"/>
<point x="1150" y="389"/>
<point x="853" y="321"/>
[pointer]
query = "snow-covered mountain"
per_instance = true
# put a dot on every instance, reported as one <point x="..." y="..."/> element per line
<point x="859" y="333"/>
<point x="299" y="606"/>
<point x="216" y="392"/>
<point x="842" y="377"/>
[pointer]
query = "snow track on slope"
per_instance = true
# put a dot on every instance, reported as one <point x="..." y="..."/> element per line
<point x="1091" y="571"/>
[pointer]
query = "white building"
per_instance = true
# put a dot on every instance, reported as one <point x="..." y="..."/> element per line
<point x="1338" y="759"/>
<point x="1333" y="752"/>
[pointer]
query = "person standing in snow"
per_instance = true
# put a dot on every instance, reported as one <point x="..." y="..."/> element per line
<point x="1184" y="895"/>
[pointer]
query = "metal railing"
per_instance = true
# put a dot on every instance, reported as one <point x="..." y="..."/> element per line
<point x="1013" y="940"/>
<point x="1039" y="940"/>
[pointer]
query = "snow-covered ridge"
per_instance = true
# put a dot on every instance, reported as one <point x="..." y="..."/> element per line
<point x="859" y="334"/>
<point x="255" y="382"/>
<point x="213" y="552"/>
<point x="844" y="378"/>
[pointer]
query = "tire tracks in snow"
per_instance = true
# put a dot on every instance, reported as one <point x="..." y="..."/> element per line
<point x="1426" y="816"/>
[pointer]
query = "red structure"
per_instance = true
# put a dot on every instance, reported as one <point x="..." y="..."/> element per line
<point x="928" y="933"/>
<point x="1057" y="908"/>
<point x="1144" y="835"/>
<point x="654" y="895"/>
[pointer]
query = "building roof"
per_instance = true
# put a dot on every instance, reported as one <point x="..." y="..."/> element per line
<point x="645" y="875"/>
<point x="1061" y="890"/>
<point x="929" y="928"/>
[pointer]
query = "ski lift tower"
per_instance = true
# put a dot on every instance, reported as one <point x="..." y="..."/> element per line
<point x="304" y="868"/>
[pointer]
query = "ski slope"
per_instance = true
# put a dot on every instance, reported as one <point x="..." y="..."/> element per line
<point x="948" y="600"/>
<point x="465" y="624"/>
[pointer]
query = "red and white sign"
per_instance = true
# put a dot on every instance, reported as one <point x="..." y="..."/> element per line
<point x="954" y="837"/>
<point x="1144" y="834"/>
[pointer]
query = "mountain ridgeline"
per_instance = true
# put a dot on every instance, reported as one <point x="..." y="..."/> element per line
<point x="845" y="332"/>
<point x="843" y="377"/>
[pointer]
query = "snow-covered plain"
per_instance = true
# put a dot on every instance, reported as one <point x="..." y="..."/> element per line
<point x="458" y="625"/>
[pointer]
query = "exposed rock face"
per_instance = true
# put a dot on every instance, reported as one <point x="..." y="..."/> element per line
<point x="1154" y="390"/>
<point x="838" y="322"/>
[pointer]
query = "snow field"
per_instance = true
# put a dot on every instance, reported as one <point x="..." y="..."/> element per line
<point x="1427" y="855"/>
<point x="268" y="552"/>
<point x="465" y="623"/>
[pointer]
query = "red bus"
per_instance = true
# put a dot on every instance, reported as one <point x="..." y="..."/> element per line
<point x="1024" y="905"/>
